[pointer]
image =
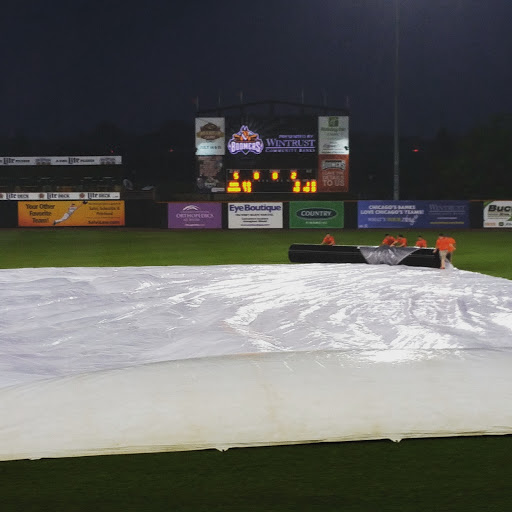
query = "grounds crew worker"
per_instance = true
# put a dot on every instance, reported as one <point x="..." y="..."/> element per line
<point x="328" y="240"/>
<point x="421" y="242"/>
<point x="449" y="256"/>
<point x="388" y="240"/>
<point x="444" y="246"/>
<point x="400" y="241"/>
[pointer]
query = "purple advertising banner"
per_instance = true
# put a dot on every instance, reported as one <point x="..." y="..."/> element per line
<point x="194" y="216"/>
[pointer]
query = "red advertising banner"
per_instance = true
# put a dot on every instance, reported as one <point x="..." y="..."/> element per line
<point x="332" y="173"/>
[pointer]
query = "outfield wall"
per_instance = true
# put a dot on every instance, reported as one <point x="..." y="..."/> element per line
<point x="316" y="214"/>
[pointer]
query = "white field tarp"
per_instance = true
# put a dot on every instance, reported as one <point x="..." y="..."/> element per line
<point x="145" y="359"/>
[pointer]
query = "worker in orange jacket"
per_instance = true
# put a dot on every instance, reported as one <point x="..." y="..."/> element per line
<point x="388" y="239"/>
<point x="400" y="241"/>
<point x="421" y="242"/>
<point x="328" y="240"/>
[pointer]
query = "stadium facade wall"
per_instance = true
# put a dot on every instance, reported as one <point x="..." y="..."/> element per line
<point x="154" y="215"/>
<point x="8" y="214"/>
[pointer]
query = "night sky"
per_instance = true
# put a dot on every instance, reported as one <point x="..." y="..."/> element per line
<point x="67" y="66"/>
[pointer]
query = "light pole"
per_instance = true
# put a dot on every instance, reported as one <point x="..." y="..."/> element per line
<point x="396" y="150"/>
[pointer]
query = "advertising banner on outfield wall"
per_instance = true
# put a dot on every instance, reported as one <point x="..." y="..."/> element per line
<point x="316" y="214"/>
<point x="194" y="216"/>
<point x="57" y="196"/>
<point x="255" y="215"/>
<point x="498" y="214"/>
<point x="409" y="214"/>
<point x="44" y="214"/>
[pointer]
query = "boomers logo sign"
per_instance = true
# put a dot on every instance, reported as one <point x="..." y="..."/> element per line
<point x="245" y="141"/>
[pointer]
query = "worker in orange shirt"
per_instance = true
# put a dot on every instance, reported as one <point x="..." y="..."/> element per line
<point x="443" y="245"/>
<point x="328" y="240"/>
<point x="400" y="241"/>
<point x="388" y="240"/>
<point x="421" y="242"/>
<point x="449" y="256"/>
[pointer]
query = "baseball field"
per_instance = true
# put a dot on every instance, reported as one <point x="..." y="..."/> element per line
<point x="455" y="474"/>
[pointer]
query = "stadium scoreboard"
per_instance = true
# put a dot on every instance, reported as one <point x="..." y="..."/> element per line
<point x="271" y="180"/>
<point x="251" y="155"/>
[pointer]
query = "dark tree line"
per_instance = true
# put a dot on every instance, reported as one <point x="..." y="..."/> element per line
<point x="479" y="164"/>
<point x="474" y="165"/>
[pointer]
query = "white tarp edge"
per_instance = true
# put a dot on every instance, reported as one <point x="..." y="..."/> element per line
<point x="260" y="399"/>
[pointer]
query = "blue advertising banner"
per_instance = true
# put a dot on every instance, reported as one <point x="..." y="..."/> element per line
<point x="409" y="214"/>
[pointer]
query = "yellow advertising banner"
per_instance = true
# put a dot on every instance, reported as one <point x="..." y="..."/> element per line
<point x="70" y="213"/>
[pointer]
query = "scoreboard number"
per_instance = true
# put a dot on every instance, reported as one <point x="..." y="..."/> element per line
<point x="271" y="180"/>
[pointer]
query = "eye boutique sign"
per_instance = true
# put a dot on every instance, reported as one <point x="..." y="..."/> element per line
<point x="255" y="215"/>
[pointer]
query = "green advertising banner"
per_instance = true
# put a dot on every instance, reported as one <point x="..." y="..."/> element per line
<point x="316" y="214"/>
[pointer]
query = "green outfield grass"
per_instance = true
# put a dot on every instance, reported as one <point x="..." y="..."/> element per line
<point x="452" y="474"/>
<point x="482" y="251"/>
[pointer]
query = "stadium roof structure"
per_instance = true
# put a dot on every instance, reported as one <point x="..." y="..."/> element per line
<point x="272" y="108"/>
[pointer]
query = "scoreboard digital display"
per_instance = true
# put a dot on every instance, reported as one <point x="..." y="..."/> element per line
<point x="293" y="154"/>
<point x="271" y="180"/>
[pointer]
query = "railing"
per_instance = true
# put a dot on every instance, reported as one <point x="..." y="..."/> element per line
<point x="62" y="184"/>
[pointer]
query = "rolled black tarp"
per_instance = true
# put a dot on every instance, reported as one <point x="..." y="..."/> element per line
<point x="373" y="255"/>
